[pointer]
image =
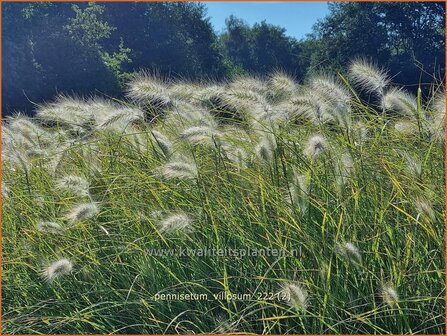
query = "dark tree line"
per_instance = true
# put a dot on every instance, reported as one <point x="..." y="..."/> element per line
<point x="89" y="48"/>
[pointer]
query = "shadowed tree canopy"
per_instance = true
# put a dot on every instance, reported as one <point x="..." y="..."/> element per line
<point x="89" y="48"/>
<point x="174" y="38"/>
<point x="408" y="38"/>
<point x="52" y="48"/>
<point x="42" y="58"/>
<point x="261" y="48"/>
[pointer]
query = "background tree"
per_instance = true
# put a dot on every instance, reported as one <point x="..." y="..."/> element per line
<point x="88" y="48"/>
<point x="175" y="38"/>
<point x="41" y="58"/>
<point x="408" y="38"/>
<point x="261" y="49"/>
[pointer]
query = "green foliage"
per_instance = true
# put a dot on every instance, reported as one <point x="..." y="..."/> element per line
<point x="40" y="58"/>
<point x="51" y="48"/>
<point x="115" y="62"/>
<point x="86" y="29"/>
<point x="408" y="38"/>
<point x="261" y="48"/>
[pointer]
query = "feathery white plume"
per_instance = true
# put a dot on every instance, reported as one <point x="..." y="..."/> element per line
<point x="74" y="184"/>
<point x="120" y="118"/>
<point x="72" y="112"/>
<point x="137" y="139"/>
<point x="389" y="295"/>
<point x="406" y="128"/>
<point x="12" y="140"/>
<point x="308" y="106"/>
<point x="5" y="191"/>
<point x="187" y="114"/>
<point x="361" y="133"/>
<point x="27" y="128"/>
<point x="236" y="155"/>
<point x="184" y="91"/>
<point x="16" y="158"/>
<point x="344" y="170"/>
<point x="281" y="85"/>
<point x="175" y="222"/>
<point x="350" y="251"/>
<point x="148" y="89"/>
<point x="163" y="143"/>
<point x="299" y="190"/>
<point x="201" y="135"/>
<point x="438" y="121"/>
<point x="57" y="269"/>
<point x="265" y="149"/>
<point x="330" y="90"/>
<point x="179" y="168"/>
<point x="49" y="227"/>
<point x="330" y="98"/>
<point x="82" y="212"/>
<point x="247" y="83"/>
<point x="413" y="166"/>
<point x="368" y="76"/>
<point x="425" y="209"/>
<point x="398" y="100"/>
<point x="296" y="296"/>
<point x="315" y="145"/>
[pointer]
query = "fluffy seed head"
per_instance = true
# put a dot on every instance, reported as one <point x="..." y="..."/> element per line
<point x="16" y="158"/>
<point x="82" y="212"/>
<point x="72" y="112"/>
<point x="57" y="269"/>
<point x="282" y="85"/>
<point x="248" y="84"/>
<point x="344" y="169"/>
<point x="74" y="184"/>
<point x="400" y="101"/>
<point x="248" y="101"/>
<point x="179" y="169"/>
<point x="175" y="222"/>
<point x="438" y="121"/>
<point x="299" y="190"/>
<point x="49" y="227"/>
<point x="236" y="155"/>
<point x="224" y="326"/>
<point x="162" y="142"/>
<point x="389" y="295"/>
<point x="439" y="103"/>
<point x="361" y="133"/>
<point x="266" y="148"/>
<point x="148" y="89"/>
<point x="406" y="127"/>
<point x="315" y="145"/>
<point x="350" y="251"/>
<point x="296" y="295"/>
<point x="29" y="129"/>
<point x="368" y="76"/>
<point x="187" y="114"/>
<point x="120" y="118"/>
<point x="413" y="166"/>
<point x="5" y="191"/>
<point x="200" y="135"/>
<point x="330" y="90"/>
<point x="305" y="106"/>
<point x="425" y="209"/>
<point x="184" y="90"/>
<point x="12" y="140"/>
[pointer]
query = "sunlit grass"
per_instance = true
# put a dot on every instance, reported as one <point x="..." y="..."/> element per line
<point x="363" y="204"/>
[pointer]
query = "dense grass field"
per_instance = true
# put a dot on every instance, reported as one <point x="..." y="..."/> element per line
<point x="111" y="208"/>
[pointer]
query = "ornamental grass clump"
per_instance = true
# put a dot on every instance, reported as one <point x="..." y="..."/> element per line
<point x="137" y="215"/>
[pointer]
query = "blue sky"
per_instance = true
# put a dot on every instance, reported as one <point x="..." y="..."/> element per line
<point x="297" y="17"/>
